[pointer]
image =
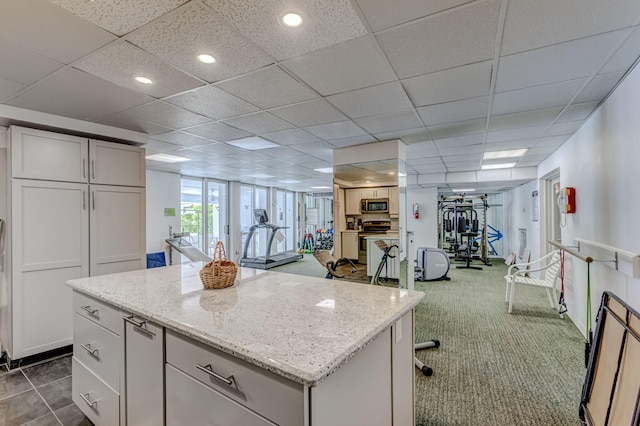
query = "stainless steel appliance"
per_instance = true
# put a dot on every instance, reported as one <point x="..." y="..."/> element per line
<point x="370" y="228"/>
<point x="375" y="206"/>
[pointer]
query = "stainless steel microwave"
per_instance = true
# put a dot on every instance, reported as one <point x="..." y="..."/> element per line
<point x="375" y="206"/>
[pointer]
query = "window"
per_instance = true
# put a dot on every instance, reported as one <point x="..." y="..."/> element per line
<point x="253" y="197"/>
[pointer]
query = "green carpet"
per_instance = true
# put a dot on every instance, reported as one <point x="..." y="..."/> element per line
<point x="495" y="368"/>
<point x="492" y="368"/>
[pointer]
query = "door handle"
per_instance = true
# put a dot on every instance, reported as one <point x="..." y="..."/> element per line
<point x="93" y="169"/>
<point x="89" y="349"/>
<point x="85" y="398"/>
<point x="84" y="200"/>
<point x="209" y="370"/>
<point x="142" y="325"/>
<point x="93" y="199"/>
<point x="87" y="308"/>
<point x="84" y="167"/>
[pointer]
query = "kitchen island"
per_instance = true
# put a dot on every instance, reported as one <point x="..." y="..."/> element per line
<point x="154" y="347"/>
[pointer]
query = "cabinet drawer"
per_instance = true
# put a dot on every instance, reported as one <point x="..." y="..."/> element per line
<point x="190" y="399"/>
<point x="98" y="402"/>
<point x="274" y="397"/>
<point x="98" y="312"/>
<point x="99" y="349"/>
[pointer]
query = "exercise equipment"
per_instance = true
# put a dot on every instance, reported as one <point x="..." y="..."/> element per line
<point x="327" y="260"/>
<point x="183" y="246"/>
<point x="268" y="260"/>
<point x="431" y="264"/>
<point x="386" y="255"/>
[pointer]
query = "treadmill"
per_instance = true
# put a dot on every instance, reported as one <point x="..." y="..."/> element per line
<point x="268" y="260"/>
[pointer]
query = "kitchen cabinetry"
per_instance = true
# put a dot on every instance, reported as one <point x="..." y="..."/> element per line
<point x="394" y="201"/>
<point x="352" y="202"/>
<point x="373" y="193"/>
<point x="65" y="222"/>
<point x="350" y="245"/>
<point x="374" y="255"/>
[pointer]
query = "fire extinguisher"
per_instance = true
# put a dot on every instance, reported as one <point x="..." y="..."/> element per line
<point x="416" y="211"/>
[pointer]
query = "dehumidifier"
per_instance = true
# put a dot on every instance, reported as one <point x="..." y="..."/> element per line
<point x="431" y="264"/>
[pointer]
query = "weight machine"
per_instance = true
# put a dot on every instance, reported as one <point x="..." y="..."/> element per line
<point x="462" y="228"/>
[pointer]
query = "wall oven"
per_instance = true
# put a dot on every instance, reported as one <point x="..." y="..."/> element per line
<point x="375" y="206"/>
<point x="369" y="229"/>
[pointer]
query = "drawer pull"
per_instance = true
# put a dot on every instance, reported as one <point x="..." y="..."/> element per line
<point x="142" y="325"/>
<point x="89" y="349"/>
<point x="209" y="370"/>
<point x="87" y="308"/>
<point x="85" y="398"/>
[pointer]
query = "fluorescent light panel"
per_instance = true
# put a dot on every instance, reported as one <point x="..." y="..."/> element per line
<point x="463" y="190"/>
<point x="320" y="187"/>
<point x="260" y="176"/>
<point x="252" y="143"/>
<point x="325" y="170"/>
<point x="166" y="158"/>
<point x="289" y="181"/>
<point x="493" y="155"/>
<point x="497" y="166"/>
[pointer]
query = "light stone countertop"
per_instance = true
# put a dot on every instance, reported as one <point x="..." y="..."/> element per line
<point x="301" y="328"/>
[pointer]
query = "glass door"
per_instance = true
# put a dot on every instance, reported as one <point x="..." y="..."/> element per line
<point x="191" y="210"/>
<point x="216" y="223"/>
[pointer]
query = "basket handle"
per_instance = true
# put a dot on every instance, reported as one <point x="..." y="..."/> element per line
<point x="218" y="252"/>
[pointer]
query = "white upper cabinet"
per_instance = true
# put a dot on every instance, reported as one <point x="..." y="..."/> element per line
<point x="37" y="154"/>
<point x="373" y="193"/>
<point x="116" y="164"/>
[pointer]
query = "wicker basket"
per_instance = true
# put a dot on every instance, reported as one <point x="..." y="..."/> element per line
<point x="220" y="272"/>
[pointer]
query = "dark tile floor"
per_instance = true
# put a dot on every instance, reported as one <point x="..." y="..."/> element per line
<point x="39" y="395"/>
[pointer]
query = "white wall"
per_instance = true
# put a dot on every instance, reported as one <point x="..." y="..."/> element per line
<point x="426" y="227"/>
<point x="602" y="162"/>
<point x="163" y="190"/>
<point x="517" y="205"/>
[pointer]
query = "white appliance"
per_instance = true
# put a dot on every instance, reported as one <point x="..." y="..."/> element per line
<point x="431" y="264"/>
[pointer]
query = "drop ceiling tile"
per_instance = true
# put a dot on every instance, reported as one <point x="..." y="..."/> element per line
<point x="213" y="102"/>
<point x="578" y="111"/>
<point x="23" y="67"/>
<point x="540" y="97"/>
<point x="217" y="149"/>
<point x="457" y="141"/>
<point x="281" y="153"/>
<point x="599" y="87"/>
<point x="382" y="99"/>
<point x="532" y="118"/>
<point x="420" y="150"/>
<point x="73" y="93"/>
<point x="50" y="31"/>
<point x="361" y="65"/>
<point x="153" y="146"/>
<point x="383" y="14"/>
<point x="515" y="134"/>
<point x="528" y="163"/>
<point x="321" y="149"/>
<point x="291" y="137"/>
<point x="309" y="113"/>
<point x="9" y="88"/>
<point x="533" y="158"/>
<point x="351" y="141"/>
<point x="247" y="157"/>
<point x="463" y="158"/>
<point x="625" y="56"/>
<point x="462" y="167"/>
<point x="258" y="123"/>
<point x="425" y="161"/>
<point x="182" y="139"/>
<point x="458" y="128"/>
<point x="135" y="124"/>
<point x="511" y="144"/>
<point x="326" y="23"/>
<point x="121" y="16"/>
<point x="120" y="62"/>
<point x="462" y="36"/>
<point x="410" y="136"/>
<point x="566" y="128"/>
<point x="430" y="168"/>
<point x="167" y="115"/>
<point x="560" y="62"/>
<point x="390" y="122"/>
<point x="217" y="131"/>
<point x="195" y="29"/>
<point x="552" y="141"/>
<point x="267" y="88"/>
<point x="466" y="109"/>
<point x="530" y="25"/>
<point x="464" y="82"/>
<point x="461" y="150"/>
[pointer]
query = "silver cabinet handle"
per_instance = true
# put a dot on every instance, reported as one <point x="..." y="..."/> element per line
<point x="85" y="398"/>
<point x="89" y="349"/>
<point x="93" y="200"/>
<point x="84" y="200"/>
<point x="84" y="167"/>
<point x="93" y="169"/>
<point x="142" y="325"/>
<point x="209" y="370"/>
<point x="89" y="310"/>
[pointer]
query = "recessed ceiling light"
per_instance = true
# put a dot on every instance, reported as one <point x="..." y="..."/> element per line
<point x="260" y="176"/>
<point x="206" y="58"/>
<point x="463" y="190"/>
<point x="291" y="20"/>
<point x="252" y="143"/>
<point x="320" y="187"/>
<point x="504" y="154"/>
<point x="166" y="158"/>
<point x="324" y="170"/>
<point x="391" y="173"/>
<point x="289" y="181"/>
<point x="142" y="79"/>
<point x="497" y="166"/>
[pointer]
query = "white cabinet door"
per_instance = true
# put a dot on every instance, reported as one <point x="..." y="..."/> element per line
<point x="352" y="202"/>
<point x="50" y="246"/>
<point x="350" y="245"/>
<point x="144" y="360"/>
<point x="116" y="164"/>
<point x="394" y="201"/>
<point x="117" y="229"/>
<point x="36" y="154"/>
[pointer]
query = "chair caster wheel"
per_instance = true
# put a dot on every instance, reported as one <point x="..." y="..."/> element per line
<point x="427" y="371"/>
